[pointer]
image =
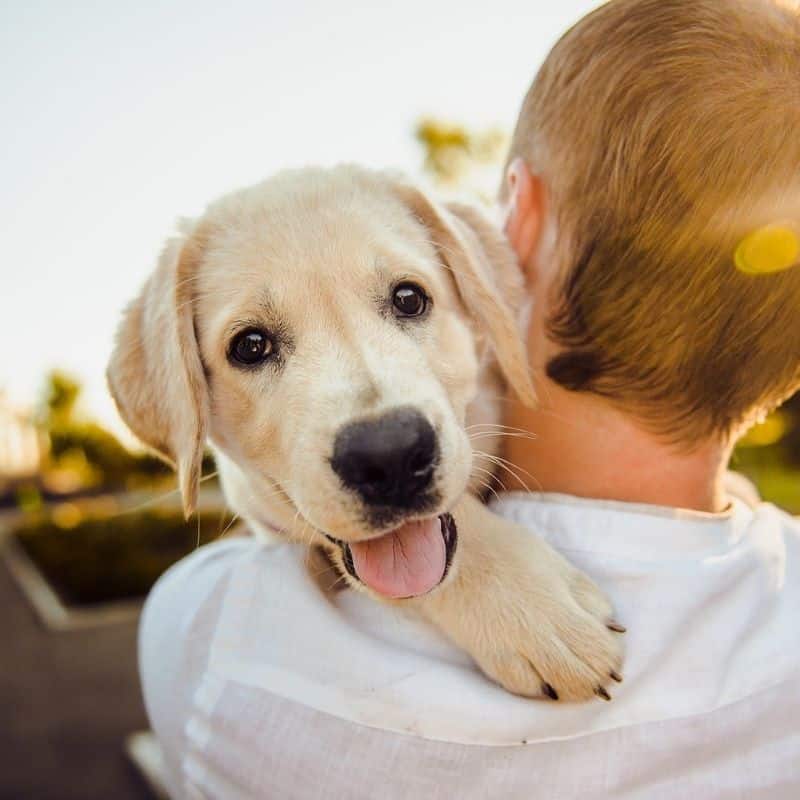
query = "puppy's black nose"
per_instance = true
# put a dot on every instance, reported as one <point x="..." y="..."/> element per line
<point x="390" y="460"/>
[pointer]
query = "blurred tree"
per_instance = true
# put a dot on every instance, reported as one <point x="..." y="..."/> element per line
<point x="770" y="456"/>
<point x="459" y="158"/>
<point x="61" y="395"/>
<point x="83" y="456"/>
<point x="92" y="545"/>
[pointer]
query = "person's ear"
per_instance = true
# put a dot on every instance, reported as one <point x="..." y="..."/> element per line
<point x="524" y="213"/>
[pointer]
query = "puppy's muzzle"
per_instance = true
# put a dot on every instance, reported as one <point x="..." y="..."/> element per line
<point x="388" y="461"/>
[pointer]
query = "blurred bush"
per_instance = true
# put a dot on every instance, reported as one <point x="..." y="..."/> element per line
<point x="82" y="455"/>
<point x="77" y="456"/>
<point x="458" y="158"/>
<point x="81" y="518"/>
<point x="94" y="555"/>
<point x="770" y="456"/>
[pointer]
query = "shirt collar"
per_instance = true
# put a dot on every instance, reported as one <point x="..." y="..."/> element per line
<point x="633" y="530"/>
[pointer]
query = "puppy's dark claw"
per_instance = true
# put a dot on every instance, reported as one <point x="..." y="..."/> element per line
<point x="601" y="692"/>
<point x="613" y="625"/>
<point x="550" y="691"/>
<point x="614" y="675"/>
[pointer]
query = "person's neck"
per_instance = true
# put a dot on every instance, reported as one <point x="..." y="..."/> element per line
<point x="584" y="446"/>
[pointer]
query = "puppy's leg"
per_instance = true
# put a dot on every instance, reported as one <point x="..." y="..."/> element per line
<point x="531" y="621"/>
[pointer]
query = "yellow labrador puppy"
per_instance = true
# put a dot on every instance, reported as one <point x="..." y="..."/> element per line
<point x="333" y="334"/>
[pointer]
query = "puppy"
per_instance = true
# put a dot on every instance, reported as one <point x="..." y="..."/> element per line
<point x="334" y="335"/>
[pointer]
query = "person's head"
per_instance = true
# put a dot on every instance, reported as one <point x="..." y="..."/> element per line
<point x="657" y="135"/>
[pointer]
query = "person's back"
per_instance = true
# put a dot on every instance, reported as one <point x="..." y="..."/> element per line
<point x="259" y="684"/>
<point x="654" y="203"/>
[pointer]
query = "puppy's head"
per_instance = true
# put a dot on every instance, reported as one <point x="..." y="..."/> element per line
<point x="324" y="330"/>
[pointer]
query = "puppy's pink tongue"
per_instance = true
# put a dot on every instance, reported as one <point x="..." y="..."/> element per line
<point x="407" y="562"/>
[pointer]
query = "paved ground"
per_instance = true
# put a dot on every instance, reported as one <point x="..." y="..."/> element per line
<point x="67" y="701"/>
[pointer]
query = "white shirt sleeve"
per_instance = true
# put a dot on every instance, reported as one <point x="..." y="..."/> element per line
<point x="175" y="631"/>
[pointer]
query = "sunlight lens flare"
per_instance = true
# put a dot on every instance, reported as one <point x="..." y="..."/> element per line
<point x="773" y="248"/>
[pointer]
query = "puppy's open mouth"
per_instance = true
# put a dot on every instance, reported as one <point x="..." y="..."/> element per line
<point x="405" y="562"/>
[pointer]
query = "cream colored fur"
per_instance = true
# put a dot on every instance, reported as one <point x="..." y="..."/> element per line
<point x="312" y="255"/>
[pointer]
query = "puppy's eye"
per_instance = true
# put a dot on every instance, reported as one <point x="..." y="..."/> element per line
<point x="409" y="300"/>
<point x="251" y="347"/>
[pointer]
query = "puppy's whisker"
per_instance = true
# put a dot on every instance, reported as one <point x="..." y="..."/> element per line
<point x="340" y="579"/>
<point x="501" y="434"/>
<point x="482" y="469"/>
<point x="234" y="519"/>
<point x="513" y="469"/>
<point x="293" y="523"/>
<point x="497" y="426"/>
<point x="491" y="475"/>
<point x="486" y="486"/>
<point x="158" y="499"/>
<point x="328" y="569"/>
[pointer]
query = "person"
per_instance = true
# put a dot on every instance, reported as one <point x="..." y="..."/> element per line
<point x="653" y="200"/>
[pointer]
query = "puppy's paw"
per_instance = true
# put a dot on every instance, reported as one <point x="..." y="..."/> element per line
<point x="556" y="639"/>
<point x="531" y="621"/>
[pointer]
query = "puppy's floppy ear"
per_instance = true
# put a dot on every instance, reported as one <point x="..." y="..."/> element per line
<point x="487" y="276"/>
<point x="155" y="374"/>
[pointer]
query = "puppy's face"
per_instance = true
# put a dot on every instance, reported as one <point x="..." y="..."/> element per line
<point x="338" y="358"/>
<point x="324" y="330"/>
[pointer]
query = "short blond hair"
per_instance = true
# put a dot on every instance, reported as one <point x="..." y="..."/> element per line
<point x="665" y="131"/>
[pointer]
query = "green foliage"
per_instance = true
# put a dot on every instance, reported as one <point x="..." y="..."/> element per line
<point x="770" y="456"/>
<point x="60" y="398"/>
<point x="454" y="155"/>
<point x="106" y="558"/>
<point x="82" y="455"/>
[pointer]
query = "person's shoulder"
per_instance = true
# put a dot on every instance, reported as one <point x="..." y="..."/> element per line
<point x="201" y="570"/>
<point x="185" y="604"/>
<point x="775" y="534"/>
<point x="777" y="519"/>
<point x="197" y="584"/>
<point x="181" y="618"/>
<point x="742" y="489"/>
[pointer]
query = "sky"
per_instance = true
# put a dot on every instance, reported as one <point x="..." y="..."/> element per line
<point x="118" y="118"/>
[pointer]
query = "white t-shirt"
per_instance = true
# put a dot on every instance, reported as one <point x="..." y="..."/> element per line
<point x="259" y="685"/>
